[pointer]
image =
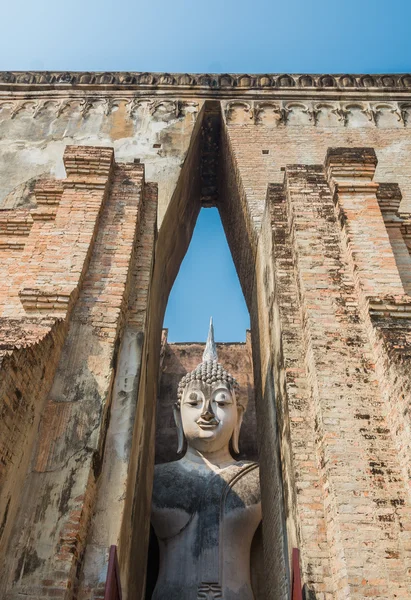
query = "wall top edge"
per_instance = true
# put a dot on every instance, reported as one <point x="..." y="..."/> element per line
<point x="59" y="80"/>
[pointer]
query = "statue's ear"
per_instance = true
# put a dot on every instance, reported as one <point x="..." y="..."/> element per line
<point x="236" y="432"/>
<point x="179" y="425"/>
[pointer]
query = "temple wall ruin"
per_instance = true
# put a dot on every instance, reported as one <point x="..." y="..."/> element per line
<point x="35" y="132"/>
<point x="102" y="177"/>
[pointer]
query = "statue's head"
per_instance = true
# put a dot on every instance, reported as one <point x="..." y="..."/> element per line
<point x="208" y="412"/>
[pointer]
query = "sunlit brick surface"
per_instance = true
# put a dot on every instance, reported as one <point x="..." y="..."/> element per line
<point x="102" y="177"/>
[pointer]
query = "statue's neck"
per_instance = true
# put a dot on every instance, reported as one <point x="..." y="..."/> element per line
<point x="214" y="460"/>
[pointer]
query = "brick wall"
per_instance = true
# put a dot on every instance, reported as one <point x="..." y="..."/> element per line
<point x="251" y="255"/>
<point x="32" y="340"/>
<point x="343" y="392"/>
<point x="29" y="352"/>
<point x="322" y="253"/>
<point x="307" y="144"/>
<point x="302" y="471"/>
<point x="333" y="371"/>
<point x="122" y="484"/>
<point x="62" y="483"/>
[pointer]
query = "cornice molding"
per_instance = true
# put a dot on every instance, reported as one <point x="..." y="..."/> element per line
<point x="215" y="83"/>
<point x="305" y="111"/>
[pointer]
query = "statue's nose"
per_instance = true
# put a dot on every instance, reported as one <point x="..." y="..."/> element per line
<point x="207" y="413"/>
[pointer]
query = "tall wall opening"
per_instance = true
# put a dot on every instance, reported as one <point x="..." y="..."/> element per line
<point x="207" y="285"/>
<point x="209" y="178"/>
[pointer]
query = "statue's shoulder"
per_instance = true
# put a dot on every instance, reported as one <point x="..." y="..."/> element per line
<point x="175" y="486"/>
<point x="166" y="466"/>
<point x="248" y="466"/>
<point x="167" y="470"/>
<point x="249" y="471"/>
<point x="245" y="484"/>
<point x="171" y="474"/>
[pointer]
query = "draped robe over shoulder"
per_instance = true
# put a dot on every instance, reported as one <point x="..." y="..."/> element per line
<point x="205" y="521"/>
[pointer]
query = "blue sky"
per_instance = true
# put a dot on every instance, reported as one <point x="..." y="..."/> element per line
<point x="214" y="36"/>
<point x="217" y="35"/>
<point x="207" y="285"/>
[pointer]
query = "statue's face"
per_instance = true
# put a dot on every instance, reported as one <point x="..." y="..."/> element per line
<point x="209" y="415"/>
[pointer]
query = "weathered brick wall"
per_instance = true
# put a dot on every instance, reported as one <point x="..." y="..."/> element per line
<point x="389" y="199"/>
<point x="302" y="472"/>
<point x="29" y="352"/>
<point x="324" y="263"/>
<point x="387" y="315"/>
<point x="325" y="299"/>
<point x="245" y="246"/>
<point x="389" y="328"/>
<point x="125" y="469"/>
<point x="155" y="130"/>
<point x="238" y="226"/>
<point x="120" y="482"/>
<point x="62" y="484"/>
<point x="343" y="392"/>
<point x="273" y="486"/>
<point x="34" y="337"/>
<point x="307" y="143"/>
<point x="45" y="275"/>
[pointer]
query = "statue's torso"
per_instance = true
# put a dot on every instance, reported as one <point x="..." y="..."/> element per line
<point x="205" y="522"/>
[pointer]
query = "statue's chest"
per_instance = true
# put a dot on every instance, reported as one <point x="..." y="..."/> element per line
<point x="193" y="491"/>
<point x="203" y="499"/>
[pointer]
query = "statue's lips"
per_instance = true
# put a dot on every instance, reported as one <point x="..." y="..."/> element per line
<point x="207" y="424"/>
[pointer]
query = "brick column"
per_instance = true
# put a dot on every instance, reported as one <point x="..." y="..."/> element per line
<point x="58" y="251"/>
<point x="95" y="256"/>
<point x="302" y="471"/>
<point x="350" y="173"/>
<point x="389" y="198"/>
<point x="363" y="489"/>
<point x="120" y="489"/>
<point x="375" y="242"/>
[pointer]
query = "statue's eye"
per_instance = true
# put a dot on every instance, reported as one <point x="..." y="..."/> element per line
<point x="193" y="399"/>
<point x="222" y="398"/>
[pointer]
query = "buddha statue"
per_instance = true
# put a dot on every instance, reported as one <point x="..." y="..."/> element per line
<point x="206" y="506"/>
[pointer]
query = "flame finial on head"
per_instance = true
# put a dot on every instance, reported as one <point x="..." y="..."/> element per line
<point x="210" y="352"/>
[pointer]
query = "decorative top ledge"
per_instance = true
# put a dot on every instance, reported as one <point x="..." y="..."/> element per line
<point x="203" y="81"/>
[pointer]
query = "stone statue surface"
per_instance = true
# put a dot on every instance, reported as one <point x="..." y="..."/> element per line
<point x="206" y="506"/>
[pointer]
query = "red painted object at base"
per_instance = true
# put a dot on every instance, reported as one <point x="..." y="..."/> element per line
<point x="296" y="588"/>
<point x="113" y="585"/>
